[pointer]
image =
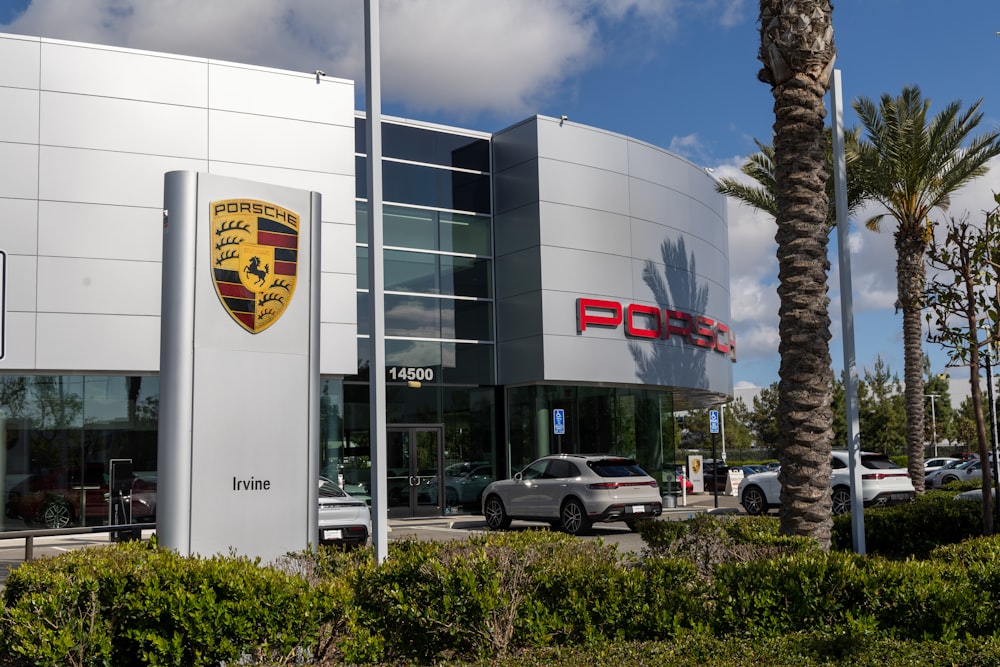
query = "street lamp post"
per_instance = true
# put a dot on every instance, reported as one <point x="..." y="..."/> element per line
<point x="933" y="422"/>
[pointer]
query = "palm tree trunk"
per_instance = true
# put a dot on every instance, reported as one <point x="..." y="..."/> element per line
<point x="797" y="52"/>
<point x="911" y="277"/>
<point x="805" y="386"/>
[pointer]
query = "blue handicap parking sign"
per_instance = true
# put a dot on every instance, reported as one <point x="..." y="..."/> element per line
<point x="558" y="421"/>
<point x="713" y="421"/>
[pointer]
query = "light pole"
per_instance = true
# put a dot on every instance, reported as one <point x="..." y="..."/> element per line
<point x="933" y="422"/>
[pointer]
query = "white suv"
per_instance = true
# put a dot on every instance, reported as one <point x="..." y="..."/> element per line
<point x="882" y="483"/>
<point x="572" y="492"/>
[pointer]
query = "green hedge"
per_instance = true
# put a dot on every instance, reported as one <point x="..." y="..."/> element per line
<point x="912" y="530"/>
<point x="132" y="603"/>
<point x="535" y="596"/>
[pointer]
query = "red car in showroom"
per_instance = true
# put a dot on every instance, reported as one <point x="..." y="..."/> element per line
<point x="60" y="497"/>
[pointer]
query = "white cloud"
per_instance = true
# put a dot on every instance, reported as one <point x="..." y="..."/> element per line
<point x="465" y="57"/>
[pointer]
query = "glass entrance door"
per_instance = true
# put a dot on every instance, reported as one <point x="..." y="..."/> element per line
<point x="414" y="470"/>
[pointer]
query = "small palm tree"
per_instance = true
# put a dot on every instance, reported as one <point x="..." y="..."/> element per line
<point x="797" y="53"/>
<point x="911" y="165"/>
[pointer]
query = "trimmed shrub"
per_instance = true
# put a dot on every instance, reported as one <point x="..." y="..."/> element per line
<point x="912" y="529"/>
<point x="131" y="603"/>
<point x="786" y="594"/>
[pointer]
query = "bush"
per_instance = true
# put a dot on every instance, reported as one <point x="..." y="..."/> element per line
<point x="912" y="529"/>
<point x="131" y="603"/>
<point x="708" y="540"/>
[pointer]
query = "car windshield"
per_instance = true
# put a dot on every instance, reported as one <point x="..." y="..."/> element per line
<point x="877" y="461"/>
<point x="327" y="489"/>
<point x="616" y="468"/>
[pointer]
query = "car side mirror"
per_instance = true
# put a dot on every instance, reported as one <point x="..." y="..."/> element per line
<point x="517" y="477"/>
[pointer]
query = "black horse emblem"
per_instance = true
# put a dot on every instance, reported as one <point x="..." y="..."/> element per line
<point x="253" y="268"/>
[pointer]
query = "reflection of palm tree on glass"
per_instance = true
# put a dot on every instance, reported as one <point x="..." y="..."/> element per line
<point x="677" y="287"/>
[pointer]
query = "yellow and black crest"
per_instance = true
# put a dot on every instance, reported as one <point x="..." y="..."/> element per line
<point x="255" y="248"/>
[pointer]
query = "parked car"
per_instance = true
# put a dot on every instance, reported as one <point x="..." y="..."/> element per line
<point x="972" y="494"/>
<point x="882" y="483"/>
<point x="62" y="496"/>
<point x="572" y="492"/>
<point x="932" y="464"/>
<point x="716" y="476"/>
<point x="961" y="471"/>
<point x="463" y="485"/>
<point x="343" y="519"/>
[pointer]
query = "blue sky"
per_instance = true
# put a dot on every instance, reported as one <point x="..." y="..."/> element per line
<point x="680" y="74"/>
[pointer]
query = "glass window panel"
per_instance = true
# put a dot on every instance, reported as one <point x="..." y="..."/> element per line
<point x="360" y="180"/>
<point x="437" y="274"/>
<point x="410" y="184"/>
<point x="471" y="320"/>
<point x="464" y="152"/>
<point x="409" y="143"/>
<point x="361" y="222"/>
<point x="411" y="272"/>
<point x="360" y="135"/>
<point x="453" y="363"/>
<point x="464" y="191"/>
<point x="465" y="233"/>
<point x="429" y="317"/>
<point x="416" y="353"/>
<point x="364" y="318"/>
<point x="410" y="228"/>
<point x="413" y="316"/>
<point x="362" y="268"/>
<point x="465" y="276"/>
<point x="467" y="363"/>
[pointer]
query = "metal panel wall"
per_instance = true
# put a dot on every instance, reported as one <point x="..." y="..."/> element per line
<point x="89" y="132"/>
<point x="617" y="220"/>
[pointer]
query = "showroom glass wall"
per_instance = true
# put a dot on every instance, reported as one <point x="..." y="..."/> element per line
<point x="439" y="323"/>
<point x="624" y="421"/>
<point x="61" y="433"/>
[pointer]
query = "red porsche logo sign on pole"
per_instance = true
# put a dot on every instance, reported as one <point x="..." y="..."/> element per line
<point x="254" y="259"/>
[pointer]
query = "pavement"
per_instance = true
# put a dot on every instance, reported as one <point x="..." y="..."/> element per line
<point x="13" y="551"/>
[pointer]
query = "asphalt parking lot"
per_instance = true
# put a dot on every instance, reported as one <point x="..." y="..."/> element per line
<point x="453" y="527"/>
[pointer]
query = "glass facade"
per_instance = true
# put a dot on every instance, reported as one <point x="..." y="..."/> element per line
<point x="61" y="433"/>
<point x="628" y="421"/>
<point x="439" y="321"/>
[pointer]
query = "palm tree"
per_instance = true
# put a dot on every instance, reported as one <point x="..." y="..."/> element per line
<point x="797" y="51"/>
<point x="760" y="167"/>
<point x="913" y="165"/>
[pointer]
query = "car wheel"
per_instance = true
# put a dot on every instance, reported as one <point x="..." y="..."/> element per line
<point x="948" y="480"/>
<point x="56" y="513"/>
<point x="496" y="515"/>
<point x="574" y="517"/>
<point x="450" y="497"/>
<point x="841" y="497"/>
<point x="754" y="501"/>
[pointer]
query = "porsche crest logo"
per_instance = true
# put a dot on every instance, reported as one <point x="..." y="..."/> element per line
<point x="255" y="248"/>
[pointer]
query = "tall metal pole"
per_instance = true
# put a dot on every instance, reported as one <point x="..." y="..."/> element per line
<point x="376" y="282"/>
<point x="847" y="317"/>
<point x="933" y="423"/>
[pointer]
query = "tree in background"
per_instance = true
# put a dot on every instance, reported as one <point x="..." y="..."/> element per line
<point x="962" y="300"/>
<point x="882" y="414"/>
<point x="912" y="164"/>
<point x="798" y="53"/>
<point x="763" y="420"/>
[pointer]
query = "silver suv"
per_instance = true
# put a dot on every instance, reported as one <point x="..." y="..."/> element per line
<point x="572" y="492"/>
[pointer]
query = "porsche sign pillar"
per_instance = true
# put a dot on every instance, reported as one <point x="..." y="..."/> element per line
<point x="239" y="367"/>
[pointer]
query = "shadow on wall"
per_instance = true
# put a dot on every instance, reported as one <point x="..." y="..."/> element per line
<point x="667" y="364"/>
